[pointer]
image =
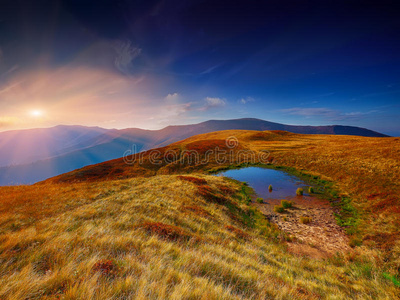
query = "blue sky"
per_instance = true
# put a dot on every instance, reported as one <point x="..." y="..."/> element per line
<point x="150" y="64"/>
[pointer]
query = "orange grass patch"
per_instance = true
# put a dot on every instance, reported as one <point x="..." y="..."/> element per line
<point x="207" y="193"/>
<point x="238" y="232"/>
<point x="196" y="209"/>
<point x="106" y="267"/>
<point x="384" y="241"/>
<point x="226" y="190"/>
<point x="391" y="203"/>
<point x="198" y="181"/>
<point x="165" y="231"/>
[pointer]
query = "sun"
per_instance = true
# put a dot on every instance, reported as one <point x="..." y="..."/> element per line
<point x="36" y="113"/>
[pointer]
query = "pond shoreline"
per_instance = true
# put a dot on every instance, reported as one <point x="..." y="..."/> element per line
<point x="322" y="237"/>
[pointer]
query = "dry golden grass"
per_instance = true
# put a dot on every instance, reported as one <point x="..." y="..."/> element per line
<point x="305" y="220"/>
<point x="86" y="235"/>
<point x="144" y="238"/>
<point x="365" y="169"/>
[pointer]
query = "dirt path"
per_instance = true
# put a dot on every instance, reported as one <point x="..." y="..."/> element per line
<point x="320" y="238"/>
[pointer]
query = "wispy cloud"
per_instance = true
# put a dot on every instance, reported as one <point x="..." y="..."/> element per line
<point x="378" y="94"/>
<point x="326" y="113"/>
<point x="213" y="102"/>
<point x="180" y="108"/>
<point x="246" y="100"/>
<point x="211" y="69"/>
<point x="173" y="114"/>
<point x="9" y="71"/>
<point x="125" y="55"/>
<point x="172" y="97"/>
<point x="310" y="111"/>
<point x="8" y="87"/>
<point x="175" y="107"/>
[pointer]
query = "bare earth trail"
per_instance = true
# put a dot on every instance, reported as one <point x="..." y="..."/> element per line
<point x="321" y="238"/>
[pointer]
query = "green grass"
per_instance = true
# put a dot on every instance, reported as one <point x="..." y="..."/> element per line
<point x="348" y="216"/>
<point x="286" y="204"/>
<point x="279" y="209"/>
<point x="392" y="278"/>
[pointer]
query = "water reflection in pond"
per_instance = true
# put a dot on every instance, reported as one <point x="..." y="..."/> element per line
<point x="283" y="184"/>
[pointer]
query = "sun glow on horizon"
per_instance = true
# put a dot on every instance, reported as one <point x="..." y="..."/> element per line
<point x="36" y="113"/>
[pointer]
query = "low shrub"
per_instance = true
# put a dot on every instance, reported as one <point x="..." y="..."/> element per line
<point x="286" y="204"/>
<point x="106" y="267"/>
<point x="279" y="209"/>
<point x="299" y="192"/>
<point x="305" y="220"/>
<point x="355" y="242"/>
<point x="270" y="188"/>
<point x="260" y="200"/>
<point x="311" y="190"/>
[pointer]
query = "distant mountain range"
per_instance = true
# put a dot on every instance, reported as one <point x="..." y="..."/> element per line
<point x="29" y="156"/>
<point x="26" y="146"/>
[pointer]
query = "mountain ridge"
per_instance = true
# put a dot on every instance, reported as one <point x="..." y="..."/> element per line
<point x="97" y="145"/>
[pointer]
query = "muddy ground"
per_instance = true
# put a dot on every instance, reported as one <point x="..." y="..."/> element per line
<point x="321" y="238"/>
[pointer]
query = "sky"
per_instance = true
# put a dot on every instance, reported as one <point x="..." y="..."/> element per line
<point x="150" y="64"/>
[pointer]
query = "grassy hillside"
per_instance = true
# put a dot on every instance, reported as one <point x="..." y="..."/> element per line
<point x="362" y="173"/>
<point x="142" y="231"/>
<point x="164" y="237"/>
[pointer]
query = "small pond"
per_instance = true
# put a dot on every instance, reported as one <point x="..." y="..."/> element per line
<point x="283" y="184"/>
